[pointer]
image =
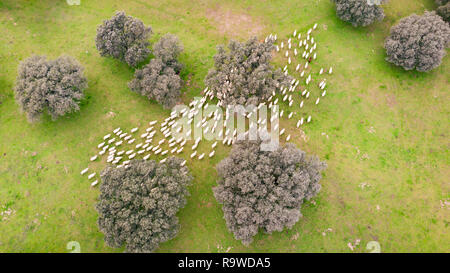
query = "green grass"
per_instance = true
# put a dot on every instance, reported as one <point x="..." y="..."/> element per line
<point x="404" y="158"/>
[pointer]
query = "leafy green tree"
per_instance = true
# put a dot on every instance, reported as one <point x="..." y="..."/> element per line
<point x="359" y="12"/>
<point x="159" y="82"/>
<point x="124" y="38"/>
<point x="160" y="79"/>
<point x="265" y="189"/>
<point x="444" y="11"/>
<point x="167" y="49"/>
<point x="138" y="204"/>
<point x="418" y="42"/>
<point x="55" y="86"/>
<point x="243" y="75"/>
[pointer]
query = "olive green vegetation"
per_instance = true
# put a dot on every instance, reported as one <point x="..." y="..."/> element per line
<point x="378" y="126"/>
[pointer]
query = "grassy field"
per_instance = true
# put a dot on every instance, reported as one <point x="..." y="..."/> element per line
<point x="378" y="126"/>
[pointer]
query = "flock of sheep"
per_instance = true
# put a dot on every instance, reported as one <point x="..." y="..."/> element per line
<point x="121" y="146"/>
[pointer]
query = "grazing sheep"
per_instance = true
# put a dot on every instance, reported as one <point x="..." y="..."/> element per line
<point x="84" y="171"/>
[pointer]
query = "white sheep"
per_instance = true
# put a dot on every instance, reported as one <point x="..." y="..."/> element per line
<point x="84" y="171"/>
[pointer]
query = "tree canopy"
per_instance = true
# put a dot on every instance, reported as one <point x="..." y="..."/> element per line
<point x="418" y="42"/>
<point x="125" y="38"/>
<point x="243" y="75"/>
<point x="138" y="204"/>
<point x="444" y="11"/>
<point x="167" y="49"/>
<point x="265" y="189"/>
<point x="160" y="79"/>
<point x="55" y="86"/>
<point x="359" y="12"/>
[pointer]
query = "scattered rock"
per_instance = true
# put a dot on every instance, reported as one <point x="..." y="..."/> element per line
<point x="350" y="246"/>
<point x="110" y="114"/>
